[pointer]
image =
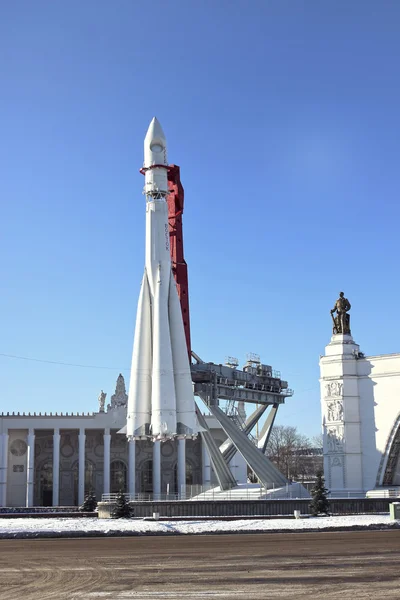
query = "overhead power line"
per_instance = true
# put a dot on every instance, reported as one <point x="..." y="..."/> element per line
<point x="55" y="362"/>
<point x="66" y="364"/>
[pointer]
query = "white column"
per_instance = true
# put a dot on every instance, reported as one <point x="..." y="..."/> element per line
<point x="181" y="468"/>
<point x="106" y="465"/>
<point x="56" y="467"/>
<point x="81" y="467"/>
<point x="206" y="466"/>
<point x="30" y="467"/>
<point x="132" y="466"/>
<point x="157" y="469"/>
<point x="341" y="419"/>
<point x="3" y="469"/>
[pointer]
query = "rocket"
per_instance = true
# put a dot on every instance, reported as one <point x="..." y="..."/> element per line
<point x="161" y="402"/>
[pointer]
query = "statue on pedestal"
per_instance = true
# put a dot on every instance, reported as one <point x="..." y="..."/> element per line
<point x="341" y="322"/>
<point x="102" y="400"/>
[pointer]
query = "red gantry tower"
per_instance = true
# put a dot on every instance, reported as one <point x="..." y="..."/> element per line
<point x="175" y="200"/>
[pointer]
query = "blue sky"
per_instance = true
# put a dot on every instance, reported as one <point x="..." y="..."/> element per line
<point x="284" y="118"/>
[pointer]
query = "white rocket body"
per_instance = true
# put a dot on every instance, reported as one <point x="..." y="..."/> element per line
<point x="160" y="403"/>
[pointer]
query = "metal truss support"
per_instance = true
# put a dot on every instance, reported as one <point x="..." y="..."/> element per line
<point x="266" y="472"/>
<point x="223" y="473"/>
<point x="267" y="428"/>
<point x="229" y="450"/>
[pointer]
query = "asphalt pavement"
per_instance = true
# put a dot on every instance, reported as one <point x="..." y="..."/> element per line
<point x="324" y="565"/>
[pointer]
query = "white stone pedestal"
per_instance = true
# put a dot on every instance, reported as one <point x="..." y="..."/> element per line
<point x="341" y="421"/>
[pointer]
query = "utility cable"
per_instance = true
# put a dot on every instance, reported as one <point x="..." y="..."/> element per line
<point x="54" y="362"/>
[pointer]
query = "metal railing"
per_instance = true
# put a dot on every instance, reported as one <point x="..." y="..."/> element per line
<point x="373" y="495"/>
<point x="250" y="492"/>
<point x="208" y="493"/>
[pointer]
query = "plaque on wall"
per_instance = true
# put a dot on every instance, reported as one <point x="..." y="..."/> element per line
<point x="18" y="468"/>
<point x="18" y="448"/>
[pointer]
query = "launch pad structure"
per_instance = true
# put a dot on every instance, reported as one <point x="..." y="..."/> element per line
<point x="255" y="384"/>
<point x="166" y="374"/>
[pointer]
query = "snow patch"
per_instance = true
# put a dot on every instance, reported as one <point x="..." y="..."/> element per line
<point x="64" y="527"/>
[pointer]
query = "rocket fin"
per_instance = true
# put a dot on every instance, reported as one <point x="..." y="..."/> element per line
<point x="163" y="400"/>
<point x="185" y="407"/>
<point x="139" y="397"/>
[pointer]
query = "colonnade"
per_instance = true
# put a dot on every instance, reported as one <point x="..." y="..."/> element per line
<point x="3" y="468"/>
<point x="181" y="468"/>
<point x="30" y="466"/>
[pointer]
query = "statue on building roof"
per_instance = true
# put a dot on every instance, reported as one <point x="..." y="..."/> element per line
<point x="341" y="322"/>
<point x="102" y="400"/>
<point x="120" y="397"/>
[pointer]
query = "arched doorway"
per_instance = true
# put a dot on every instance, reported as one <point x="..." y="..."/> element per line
<point x="146" y="477"/>
<point x="44" y="483"/>
<point x="391" y="474"/>
<point x="118" y="472"/>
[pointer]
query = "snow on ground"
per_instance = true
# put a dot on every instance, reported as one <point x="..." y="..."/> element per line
<point x="48" y="527"/>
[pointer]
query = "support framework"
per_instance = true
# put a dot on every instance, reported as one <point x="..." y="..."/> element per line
<point x="254" y="384"/>
<point x="266" y="472"/>
<point x="214" y="382"/>
<point x="229" y="450"/>
<point x="179" y="267"/>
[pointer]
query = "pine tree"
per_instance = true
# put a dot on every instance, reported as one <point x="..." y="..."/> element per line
<point x="319" y="503"/>
<point x="122" y="509"/>
<point x="90" y="502"/>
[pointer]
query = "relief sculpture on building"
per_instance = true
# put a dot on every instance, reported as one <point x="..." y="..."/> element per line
<point x="335" y="439"/>
<point x="334" y="388"/>
<point x="18" y="447"/>
<point x="335" y="410"/>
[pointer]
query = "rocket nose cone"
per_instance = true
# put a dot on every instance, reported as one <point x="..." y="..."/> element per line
<point x="155" y="132"/>
<point x="155" y="144"/>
